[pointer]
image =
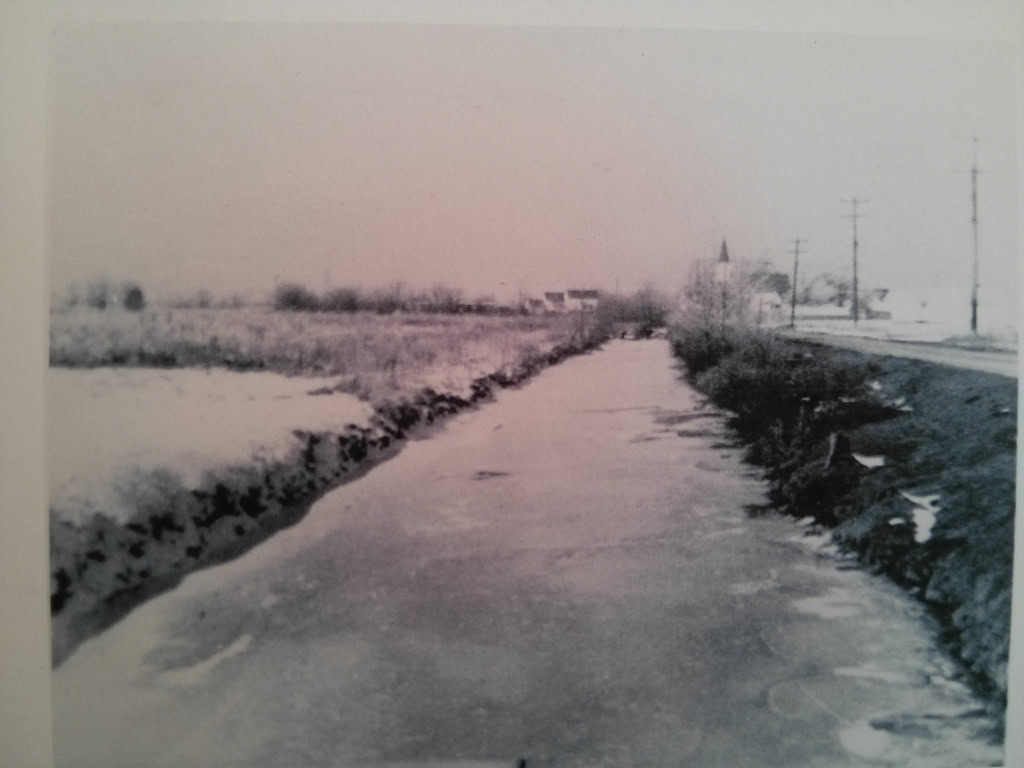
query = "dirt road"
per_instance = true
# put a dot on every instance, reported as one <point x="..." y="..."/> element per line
<point x="1002" y="363"/>
<point x="565" y="577"/>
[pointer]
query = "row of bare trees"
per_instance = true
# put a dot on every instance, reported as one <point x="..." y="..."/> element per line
<point x="712" y="296"/>
<point x="105" y="294"/>
<point x="392" y="298"/>
<point x="734" y="296"/>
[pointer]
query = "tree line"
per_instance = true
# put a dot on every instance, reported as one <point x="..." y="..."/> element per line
<point x="293" y="297"/>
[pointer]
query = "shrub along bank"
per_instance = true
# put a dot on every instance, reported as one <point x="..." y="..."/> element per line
<point x="911" y="465"/>
<point x="102" y="568"/>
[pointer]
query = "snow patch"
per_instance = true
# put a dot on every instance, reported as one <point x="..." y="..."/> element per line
<point x="951" y="685"/>
<point x="736" y="530"/>
<point x="871" y="672"/>
<point x="871" y="462"/>
<point x="187" y="676"/>
<point x="924" y="521"/>
<point x="924" y="511"/>
<point x="836" y="604"/>
<point x="748" y="588"/>
<point x="862" y="740"/>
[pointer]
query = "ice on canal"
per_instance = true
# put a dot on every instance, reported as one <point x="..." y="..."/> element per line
<point x="566" y="576"/>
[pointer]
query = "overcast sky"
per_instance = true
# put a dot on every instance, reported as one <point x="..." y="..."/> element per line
<point x="227" y="156"/>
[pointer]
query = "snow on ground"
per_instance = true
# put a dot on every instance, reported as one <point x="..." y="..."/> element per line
<point x="924" y="511"/>
<point x="108" y="424"/>
<point x="871" y="462"/>
<point x="1001" y="332"/>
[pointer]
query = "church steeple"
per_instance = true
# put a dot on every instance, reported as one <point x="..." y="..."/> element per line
<point x="723" y="257"/>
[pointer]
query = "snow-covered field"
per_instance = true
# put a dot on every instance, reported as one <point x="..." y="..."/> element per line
<point x="1004" y="337"/>
<point x="110" y="427"/>
<point x="116" y="422"/>
<point x="997" y="325"/>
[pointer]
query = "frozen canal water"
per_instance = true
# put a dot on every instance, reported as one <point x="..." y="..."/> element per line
<point x="566" y="576"/>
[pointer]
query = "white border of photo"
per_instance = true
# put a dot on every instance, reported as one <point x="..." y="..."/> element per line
<point x="25" y="729"/>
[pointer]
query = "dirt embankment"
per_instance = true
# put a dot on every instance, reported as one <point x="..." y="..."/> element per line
<point x="911" y="465"/>
<point x="102" y="568"/>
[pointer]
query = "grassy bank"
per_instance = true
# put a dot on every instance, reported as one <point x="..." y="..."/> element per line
<point x="101" y="567"/>
<point x="374" y="356"/>
<point x="911" y="465"/>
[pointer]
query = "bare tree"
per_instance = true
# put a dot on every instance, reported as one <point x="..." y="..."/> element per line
<point x="444" y="298"/>
<point x="712" y="297"/>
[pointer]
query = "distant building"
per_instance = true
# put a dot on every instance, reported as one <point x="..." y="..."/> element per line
<point x="557" y="302"/>
<point x="582" y="300"/>
<point x="767" y="308"/>
<point x="723" y="269"/>
<point x="534" y="306"/>
<point x="554" y="301"/>
<point x="917" y="305"/>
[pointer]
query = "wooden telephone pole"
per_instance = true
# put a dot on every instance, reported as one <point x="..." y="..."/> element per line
<point x="854" y="202"/>
<point x="796" y="262"/>
<point x="974" y="224"/>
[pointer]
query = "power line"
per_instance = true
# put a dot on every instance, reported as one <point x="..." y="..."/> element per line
<point x="854" y="202"/>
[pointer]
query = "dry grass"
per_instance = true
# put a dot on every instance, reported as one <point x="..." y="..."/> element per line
<point x="373" y="356"/>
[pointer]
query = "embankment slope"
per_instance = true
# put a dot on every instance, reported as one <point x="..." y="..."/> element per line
<point x="911" y="465"/>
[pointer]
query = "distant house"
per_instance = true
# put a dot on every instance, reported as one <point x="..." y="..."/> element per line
<point x="563" y="301"/>
<point x="579" y="300"/>
<point x="878" y="307"/>
<point x="918" y="305"/>
<point x="767" y="308"/>
<point x="554" y="301"/>
<point x="535" y="306"/>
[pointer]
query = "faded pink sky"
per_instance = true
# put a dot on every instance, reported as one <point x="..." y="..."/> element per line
<point x="227" y="156"/>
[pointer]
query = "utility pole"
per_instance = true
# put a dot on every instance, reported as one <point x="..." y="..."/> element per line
<point x="854" y="202"/>
<point x="974" y="223"/>
<point x="792" y="301"/>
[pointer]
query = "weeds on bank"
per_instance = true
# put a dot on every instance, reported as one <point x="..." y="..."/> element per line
<point x="787" y="404"/>
<point x="369" y="352"/>
<point x="803" y="412"/>
<point x="772" y="386"/>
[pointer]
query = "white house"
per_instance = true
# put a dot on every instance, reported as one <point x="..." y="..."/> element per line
<point x="582" y="300"/>
<point x="908" y="305"/>
<point x="557" y="302"/>
<point x="768" y="308"/>
<point x="554" y="301"/>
